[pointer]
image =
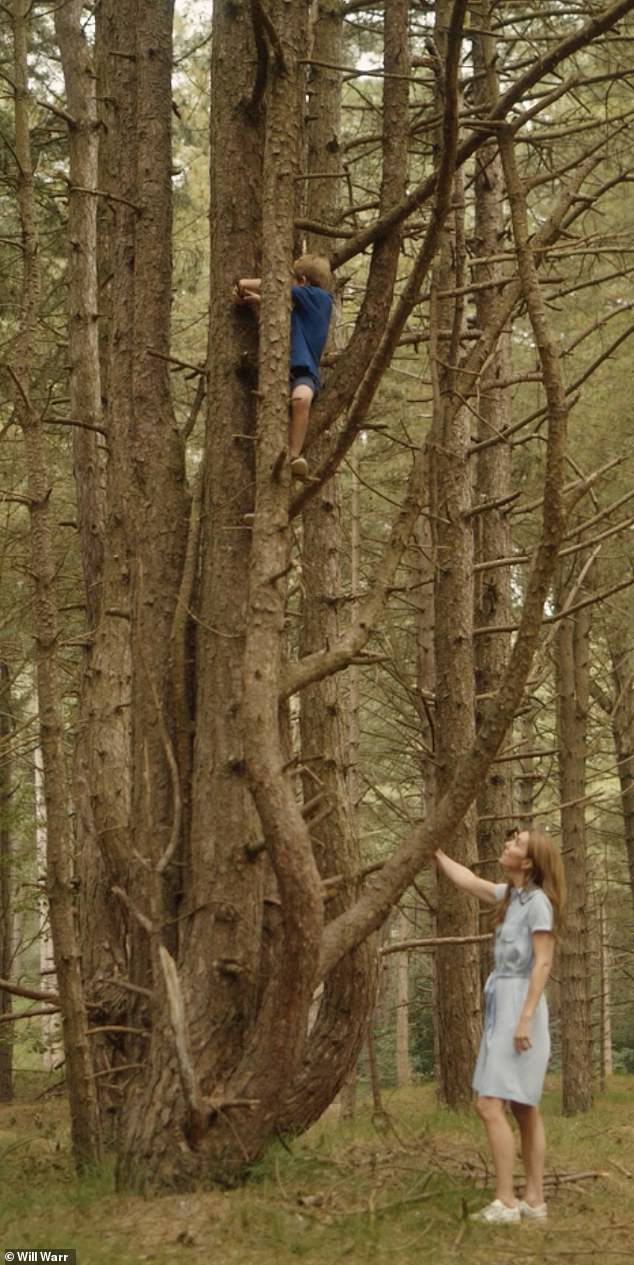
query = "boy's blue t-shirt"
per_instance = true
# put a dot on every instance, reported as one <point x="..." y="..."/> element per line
<point x="310" y="318"/>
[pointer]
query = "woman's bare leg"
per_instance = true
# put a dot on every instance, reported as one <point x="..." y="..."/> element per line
<point x="533" y="1139"/>
<point x="502" y="1146"/>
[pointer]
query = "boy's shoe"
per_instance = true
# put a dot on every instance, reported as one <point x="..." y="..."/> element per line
<point x="533" y="1212"/>
<point x="299" y="468"/>
<point x="497" y="1213"/>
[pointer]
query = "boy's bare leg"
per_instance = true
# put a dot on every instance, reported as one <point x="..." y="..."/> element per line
<point x="301" y="400"/>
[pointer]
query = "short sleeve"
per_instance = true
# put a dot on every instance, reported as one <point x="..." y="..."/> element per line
<point x="299" y="297"/>
<point x="500" y="890"/>
<point x="539" y="914"/>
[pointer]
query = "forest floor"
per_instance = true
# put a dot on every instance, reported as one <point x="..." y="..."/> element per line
<point x="392" y="1191"/>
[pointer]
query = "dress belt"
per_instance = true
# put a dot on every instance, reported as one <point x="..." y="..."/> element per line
<point x="489" y="995"/>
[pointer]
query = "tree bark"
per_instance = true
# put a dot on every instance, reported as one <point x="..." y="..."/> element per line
<point x="59" y="881"/>
<point x="52" y="1050"/>
<point x="6" y="881"/>
<point x="493" y="464"/>
<point x="402" y="1060"/>
<point x="491" y="527"/>
<point x="621" y="713"/>
<point x="605" y="1011"/>
<point x="457" y="978"/>
<point x="572" y="685"/>
<point x="337" y="1035"/>
<point x="101" y="759"/>
<point x="223" y="939"/>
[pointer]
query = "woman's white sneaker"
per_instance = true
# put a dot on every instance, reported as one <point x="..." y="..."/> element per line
<point x="498" y="1213"/>
<point x="533" y="1212"/>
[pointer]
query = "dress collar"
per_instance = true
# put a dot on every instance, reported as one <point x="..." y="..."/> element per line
<point x="523" y="894"/>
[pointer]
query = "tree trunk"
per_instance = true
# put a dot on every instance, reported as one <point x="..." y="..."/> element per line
<point x="346" y="1001"/>
<point x="492" y="534"/>
<point x="59" y="878"/>
<point x="621" y="711"/>
<point x="457" y="970"/>
<point x="101" y="764"/>
<point x="52" y="1051"/>
<point x="402" y="1061"/>
<point x="493" y="474"/>
<point x="426" y="681"/>
<point x="605" y="1010"/>
<point x="225" y="935"/>
<point x="6" y="881"/>
<point x="527" y="775"/>
<point x="572" y="680"/>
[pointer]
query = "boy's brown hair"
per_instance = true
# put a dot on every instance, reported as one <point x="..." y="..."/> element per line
<point x="316" y="270"/>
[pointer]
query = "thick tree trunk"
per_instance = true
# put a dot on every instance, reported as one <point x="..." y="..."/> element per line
<point x="618" y="635"/>
<point x="457" y="970"/>
<point x="83" y="300"/>
<point x="493" y="475"/>
<point x="572" y="681"/>
<point x="6" y="882"/>
<point x="223" y="938"/>
<point x="337" y="1035"/>
<point x="149" y="473"/>
<point x="492" y="534"/>
<point x="426" y="681"/>
<point x="59" y="879"/>
<point x="101" y="766"/>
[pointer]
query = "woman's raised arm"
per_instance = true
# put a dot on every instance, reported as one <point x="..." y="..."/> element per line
<point x="463" y="877"/>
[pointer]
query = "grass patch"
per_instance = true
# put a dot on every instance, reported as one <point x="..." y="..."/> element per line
<point x="353" y="1193"/>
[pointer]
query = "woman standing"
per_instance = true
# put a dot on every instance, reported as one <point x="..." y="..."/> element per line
<point x="515" y="1047"/>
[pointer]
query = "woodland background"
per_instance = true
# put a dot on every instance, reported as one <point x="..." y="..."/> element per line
<point x="227" y="754"/>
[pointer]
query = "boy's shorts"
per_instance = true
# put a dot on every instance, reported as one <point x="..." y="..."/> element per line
<point x="303" y="379"/>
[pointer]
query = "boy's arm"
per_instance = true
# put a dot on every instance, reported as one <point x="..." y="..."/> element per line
<point x="246" y="292"/>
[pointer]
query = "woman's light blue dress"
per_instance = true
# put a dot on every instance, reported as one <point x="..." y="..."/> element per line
<point x="500" y="1072"/>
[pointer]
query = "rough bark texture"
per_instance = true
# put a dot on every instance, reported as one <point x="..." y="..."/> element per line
<point x="401" y="1059"/>
<point x="426" y="681"/>
<point x="526" y="775"/>
<point x="156" y="512"/>
<point x="450" y="500"/>
<point x="101" y="766"/>
<point x="275" y="1049"/>
<point x="222" y="941"/>
<point x="493" y="470"/>
<point x="6" y="880"/>
<point x="52" y="1050"/>
<point x="340" y="1025"/>
<point x="572" y="682"/>
<point x="492" y="485"/>
<point x="59" y="877"/>
<point x="622" y="722"/>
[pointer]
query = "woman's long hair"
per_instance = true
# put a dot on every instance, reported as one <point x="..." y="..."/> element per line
<point x="547" y="872"/>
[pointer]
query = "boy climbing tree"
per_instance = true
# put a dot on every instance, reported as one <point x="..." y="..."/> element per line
<point x="310" y="318"/>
